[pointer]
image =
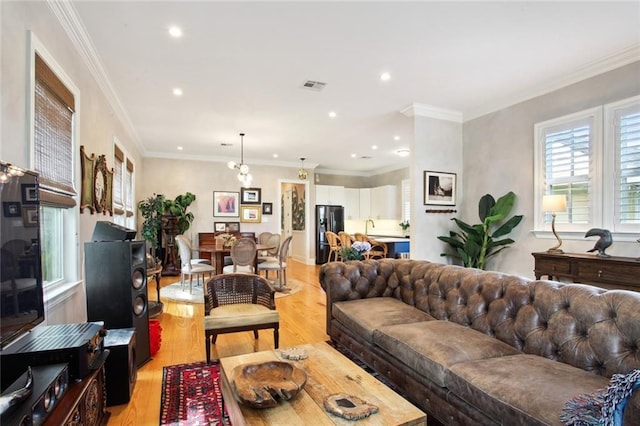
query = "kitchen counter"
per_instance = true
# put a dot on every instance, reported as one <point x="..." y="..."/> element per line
<point x="395" y="245"/>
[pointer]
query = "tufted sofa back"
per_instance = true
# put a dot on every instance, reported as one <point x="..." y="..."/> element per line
<point x="584" y="326"/>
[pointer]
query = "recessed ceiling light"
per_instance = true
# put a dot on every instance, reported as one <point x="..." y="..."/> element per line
<point x="275" y="155"/>
<point x="175" y="32"/>
<point x="385" y="76"/>
<point x="374" y="146"/>
<point x="396" y="138"/>
<point x="177" y="91"/>
<point x="332" y="114"/>
<point x="353" y="155"/>
<point x="179" y="148"/>
<point x="403" y="152"/>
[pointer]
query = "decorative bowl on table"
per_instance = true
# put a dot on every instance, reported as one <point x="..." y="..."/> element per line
<point x="262" y="385"/>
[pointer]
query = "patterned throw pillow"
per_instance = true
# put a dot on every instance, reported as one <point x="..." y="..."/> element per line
<point x="605" y="407"/>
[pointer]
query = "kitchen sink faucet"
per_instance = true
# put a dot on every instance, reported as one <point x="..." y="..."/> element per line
<point x="366" y="226"/>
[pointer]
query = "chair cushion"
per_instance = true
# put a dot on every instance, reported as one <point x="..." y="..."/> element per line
<point x="239" y="270"/>
<point x="268" y="264"/>
<point x="241" y="314"/>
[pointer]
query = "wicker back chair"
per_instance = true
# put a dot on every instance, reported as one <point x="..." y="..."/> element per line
<point x="345" y="239"/>
<point x="243" y="255"/>
<point x="238" y="302"/>
<point x="334" y="245"/>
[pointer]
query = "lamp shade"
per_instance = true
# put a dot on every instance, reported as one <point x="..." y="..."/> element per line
<point x="554" y="203"/>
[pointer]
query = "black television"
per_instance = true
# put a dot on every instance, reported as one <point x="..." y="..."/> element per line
<point x="21" y="291"/>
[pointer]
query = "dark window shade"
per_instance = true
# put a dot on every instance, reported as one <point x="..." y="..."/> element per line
<point x="53" y="143"/>
<point x="117" y="152"/>
<point x="129" y="166"/>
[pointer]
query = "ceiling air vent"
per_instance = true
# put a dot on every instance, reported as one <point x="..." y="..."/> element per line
<point x="313" y="85"/>
<point x="366" y="157"/>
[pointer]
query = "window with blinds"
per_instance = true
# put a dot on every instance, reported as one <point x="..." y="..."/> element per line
<point x="567" y="170"/>
<point x="593" y="158"/>
<point x="626" y="130"/>
<point x="123" y="188"/>
<point x="406" y="200"/>
<point x="54" y="106"/>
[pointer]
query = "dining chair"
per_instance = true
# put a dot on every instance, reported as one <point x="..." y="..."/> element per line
<point x="272" y="253"/>
<point x="238" y="302"/>
<point x="345" y="239"/>
<point x="359" y="236"/>
<point x="188" y="267"/>
<point x="243" y="255"/>
<point x="378" y="249"/>
<point x="279" y="264"/>
<point x="334" y="245"/>
<point x="263" y="237"/>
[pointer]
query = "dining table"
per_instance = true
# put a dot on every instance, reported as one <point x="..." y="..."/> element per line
<point x="218" y="254"/>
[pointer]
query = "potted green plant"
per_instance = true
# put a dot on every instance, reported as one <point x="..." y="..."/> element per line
<point x="405" y="227"/>
<point x="151" y="210"/>
<point x="474" y="244"/>
<point x="178" y="209"/>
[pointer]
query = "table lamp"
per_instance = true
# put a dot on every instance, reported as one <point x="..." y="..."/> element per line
<point x="554" y="204"/>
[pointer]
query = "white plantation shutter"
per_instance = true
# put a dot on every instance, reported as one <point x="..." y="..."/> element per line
<point x="406" y="200"/>
<point x="567" y="154"/>
<point x="118" y="201"/>
<point x="627" y="168"/>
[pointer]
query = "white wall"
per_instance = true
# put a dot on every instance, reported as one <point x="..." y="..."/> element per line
<point x="174" y="177"/>
<point x="98" y="124"/>
<point x="498" y="157"/>
<point x="437" y="147"/>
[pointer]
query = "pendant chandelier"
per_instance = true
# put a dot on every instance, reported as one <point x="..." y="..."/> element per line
<point x="243" y="170"/>
<point x="302" y="172"/>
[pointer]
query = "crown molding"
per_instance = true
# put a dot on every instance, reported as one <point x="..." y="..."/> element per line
<point x="218" y="159"/>
<point x="616" y="60"/>
<point x="430" y="111"/>
<point x="68" y="17"/>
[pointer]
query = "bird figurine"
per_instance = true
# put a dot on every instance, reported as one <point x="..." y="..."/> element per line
<point x="604" y="241"/>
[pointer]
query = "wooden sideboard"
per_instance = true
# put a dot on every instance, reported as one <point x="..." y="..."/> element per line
<point x="84" y="403"/>
<point x="608" y="272"/>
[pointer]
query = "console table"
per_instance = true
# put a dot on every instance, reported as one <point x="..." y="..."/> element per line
<point x="608" y="272"/>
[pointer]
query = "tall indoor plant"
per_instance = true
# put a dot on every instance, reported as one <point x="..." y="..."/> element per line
<point x="151" y="210"/>
<point x="474" y="244"/>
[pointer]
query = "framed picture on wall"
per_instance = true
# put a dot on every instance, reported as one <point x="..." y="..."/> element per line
<point x="11" y="208"/>
<point x="250" y="195"/>
<point x="225" y="204"/>
<point x="30" y="216"/>
<point x="439" y="188"/>
<point x="29" y="193"/>
<point x="267" y="208"/>
<point x="226" y="226"/>
<point x="251" y="214"/>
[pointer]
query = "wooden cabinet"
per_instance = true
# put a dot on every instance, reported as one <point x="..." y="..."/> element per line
<point x="330" y="194"/>
<point x="84" y="403"/>
<point x="384" y="202"/>
<point x="608" y="272"/>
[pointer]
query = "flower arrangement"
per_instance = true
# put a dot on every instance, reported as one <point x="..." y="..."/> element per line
<point x="355" y="251"/>
<point x="405" y="226"/>
<point x="229" y="239"/>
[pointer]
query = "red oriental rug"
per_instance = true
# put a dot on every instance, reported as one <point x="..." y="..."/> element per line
<point x="191" y="395"/>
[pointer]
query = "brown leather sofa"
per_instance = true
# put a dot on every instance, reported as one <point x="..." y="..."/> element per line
<point x="474" y="347"/>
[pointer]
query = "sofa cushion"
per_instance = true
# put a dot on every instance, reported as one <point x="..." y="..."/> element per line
<point x="364" y="316"/>
<point x="521" y="389"/>
<point x="431" y="348"/>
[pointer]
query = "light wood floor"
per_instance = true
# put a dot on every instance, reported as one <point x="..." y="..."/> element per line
<point x="302" y="320"/>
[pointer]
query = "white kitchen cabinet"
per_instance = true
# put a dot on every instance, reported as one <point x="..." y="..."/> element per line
<point x="352" y="204"/>
<point x="384" y="202"/>
<point x="330" y="194"/>
<point x="365" y="203"/>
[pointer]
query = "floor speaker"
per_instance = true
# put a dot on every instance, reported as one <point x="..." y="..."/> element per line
<point x="116" y="282"/>
<point x="121" y="368"/>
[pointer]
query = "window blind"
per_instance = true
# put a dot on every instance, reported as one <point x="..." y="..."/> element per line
<point x="567" y="165"/>
<point x="53" y="137"/>
<point x="628" y="158"/>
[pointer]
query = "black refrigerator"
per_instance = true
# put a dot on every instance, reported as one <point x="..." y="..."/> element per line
<point x="328" y="218"/>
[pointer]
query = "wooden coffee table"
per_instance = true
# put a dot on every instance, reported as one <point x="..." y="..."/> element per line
<point x="328" y="372"/>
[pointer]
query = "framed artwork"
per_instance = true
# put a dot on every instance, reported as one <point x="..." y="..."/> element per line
<point x="251" y="214"/>
<point x="439" y="188"/>
<point x="30" y="216"/>
<point x="267" y="208"/>
<point x="226" y="226"/>
<point x="225" y="204"/>
<point x="250" y="195"/>
<point x="11" y="208"/>
<point x="29" y="193"/>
